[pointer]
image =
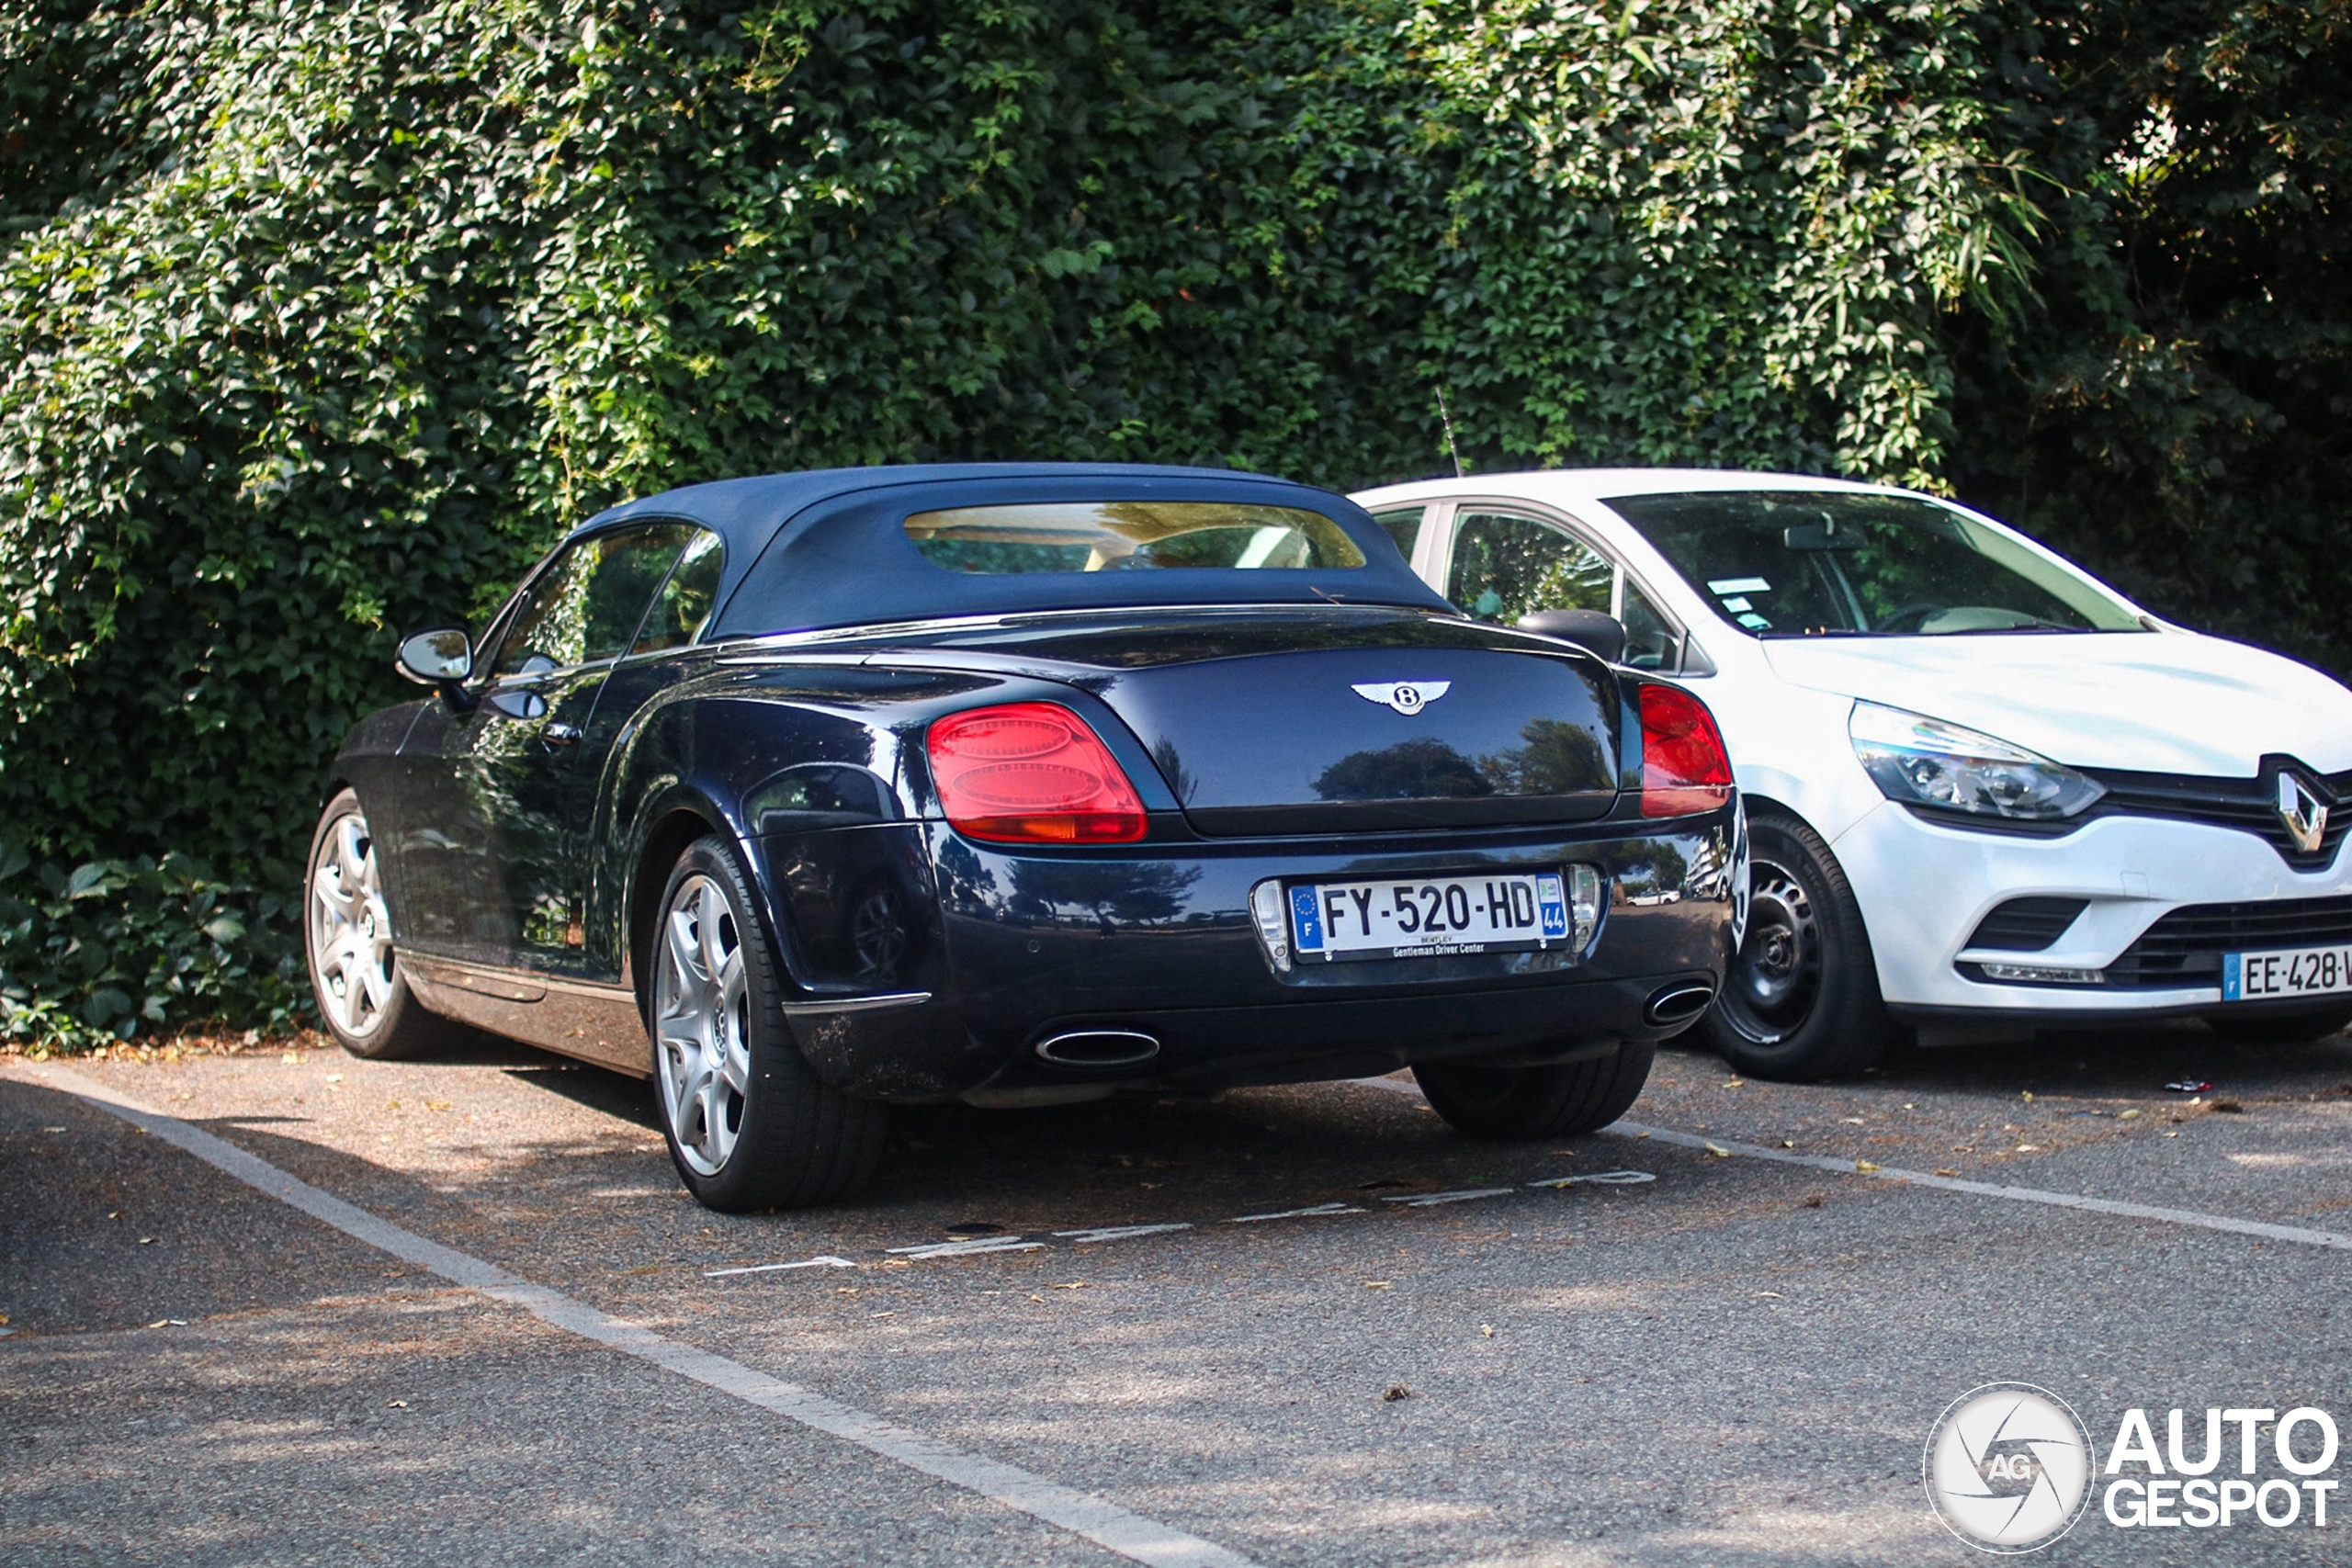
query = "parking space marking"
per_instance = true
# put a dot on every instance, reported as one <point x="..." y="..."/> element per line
<point x="1117" y="1530"/>
<point x="1432" y="1199"/>
<point x="1121" y="1232"/>
<point x="2334" y="1240"/>
<point x="1597" y="1178"/>
<point x="964" y="1248"/>
<point x="1318" y="1209"/>
<point x="826" y="1261"/>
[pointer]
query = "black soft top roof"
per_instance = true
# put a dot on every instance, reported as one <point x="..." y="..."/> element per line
<point x="829" y="547"/>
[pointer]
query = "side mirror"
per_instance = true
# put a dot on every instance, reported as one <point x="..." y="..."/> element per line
<point x="1596" y="633"/>
<point x="439" y="658"/>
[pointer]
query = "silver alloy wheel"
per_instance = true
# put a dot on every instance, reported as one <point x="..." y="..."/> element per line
<point x="701" y="1029"/>
<point x="351" y="930"/>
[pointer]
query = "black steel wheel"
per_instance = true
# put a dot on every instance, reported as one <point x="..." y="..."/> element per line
<point x="1802" y="1000"/>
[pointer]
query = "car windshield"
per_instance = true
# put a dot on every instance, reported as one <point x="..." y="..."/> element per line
<point x="1800" y="563"/>
<point x="1129" y="535"/>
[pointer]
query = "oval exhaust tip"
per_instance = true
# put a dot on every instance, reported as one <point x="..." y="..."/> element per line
<point x="1097" y="1048"/>
<point x="1679" y="1004"/>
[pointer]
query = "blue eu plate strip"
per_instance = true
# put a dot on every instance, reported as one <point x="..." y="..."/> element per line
<point x="2233" y="977"/>
<point x="1307" y="920"/>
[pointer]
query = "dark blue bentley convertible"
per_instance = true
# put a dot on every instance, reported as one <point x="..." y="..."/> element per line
<point x="1020" y="784"/>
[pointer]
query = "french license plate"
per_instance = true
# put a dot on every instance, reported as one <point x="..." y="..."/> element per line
<point x="2294" y="972"/>
<point x="1427" y="916"/>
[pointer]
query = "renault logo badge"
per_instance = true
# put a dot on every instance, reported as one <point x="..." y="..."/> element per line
<point x="1407" y="697"/>
<point x="2303" y="811"/>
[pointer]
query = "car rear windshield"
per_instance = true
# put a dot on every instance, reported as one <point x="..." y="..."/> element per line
<point x="1802" y="563"/>
<point x="1130" y="535"/>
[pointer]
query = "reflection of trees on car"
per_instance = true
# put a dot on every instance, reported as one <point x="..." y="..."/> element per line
<point x="1558" y="758"/>
<point x="964" y="882"/>
<point x="1795" y="562"/>
<point x="1419" y="769"/>
<point x="1129" y="892"/>
<point x="1656" y="874"/>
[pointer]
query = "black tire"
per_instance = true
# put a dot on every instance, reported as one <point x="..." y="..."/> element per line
<point x="1802" y="999"/>
<point x="397" y="1026"/>
<point x="2292" y="1028"/>
<point x="1518" y="1103"/>
<point x="782" y="1139"/>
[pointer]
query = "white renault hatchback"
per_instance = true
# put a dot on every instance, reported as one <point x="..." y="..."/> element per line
<point x="1986" y="792"/>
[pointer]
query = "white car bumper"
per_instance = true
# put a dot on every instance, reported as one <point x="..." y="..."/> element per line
<point x="1923" y="888"/>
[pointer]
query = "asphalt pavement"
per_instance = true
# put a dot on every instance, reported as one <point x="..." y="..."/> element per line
<point x="1297" y="1326"/>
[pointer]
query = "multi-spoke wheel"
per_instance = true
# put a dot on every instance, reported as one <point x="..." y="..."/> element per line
<point x="1802" y="999"/>
<point x="749" y="1124"/>
<point x="877" y="935"/>
<point x="701" y="1054"/>
<point x="347" y="936"/>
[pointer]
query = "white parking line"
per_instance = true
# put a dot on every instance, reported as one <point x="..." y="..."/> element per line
<point x="826" y="1261"/>
<point x="964" y="1249"/>
<point x="1318" y="1209"/>
<point x="1597" y="1178"/>
<point x="1107" y="1525"/>
<point x="1432" y="1199"/>
<point x="1122" y="1232"/>
<point x="2297" y="1233"/>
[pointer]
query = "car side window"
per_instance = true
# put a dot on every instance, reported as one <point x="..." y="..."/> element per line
<point x="685" y="602"/>
<point x="588" y="603"/>
<point x="1650" y="643"/>
<point x="1507" y="567"/>
<point x="1403" y="524"/>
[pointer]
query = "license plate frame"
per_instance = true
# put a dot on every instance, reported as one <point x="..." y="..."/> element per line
<point x="1353" y="919"/>
<point x="2286" y="974"/>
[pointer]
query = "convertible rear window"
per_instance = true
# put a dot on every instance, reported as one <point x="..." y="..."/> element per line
<point x="1130" y="535"/>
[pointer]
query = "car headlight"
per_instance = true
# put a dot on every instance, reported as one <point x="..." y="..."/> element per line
<point x="1919" y="761"/>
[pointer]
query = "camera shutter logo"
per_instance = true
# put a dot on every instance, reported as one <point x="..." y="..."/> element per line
<point x="2009" y="1467"/>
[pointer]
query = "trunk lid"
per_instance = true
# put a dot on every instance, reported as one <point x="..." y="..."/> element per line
<point x="1410" y="723"/>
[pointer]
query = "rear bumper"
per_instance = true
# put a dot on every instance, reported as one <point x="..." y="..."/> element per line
<point x="1157" y="940"/>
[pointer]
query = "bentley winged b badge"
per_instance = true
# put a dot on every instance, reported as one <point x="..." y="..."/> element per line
<point x="1407" y="697"/>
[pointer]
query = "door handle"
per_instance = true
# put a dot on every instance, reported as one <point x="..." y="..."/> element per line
<point x="558" y="733"/>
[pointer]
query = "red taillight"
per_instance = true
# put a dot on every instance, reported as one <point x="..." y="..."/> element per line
<point x="1031" y="774"/>
<point x="1684" y="767"/>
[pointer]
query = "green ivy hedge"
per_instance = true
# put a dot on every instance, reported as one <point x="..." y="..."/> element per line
<point x="88" y="957"/>
<point x="318" y="321"/>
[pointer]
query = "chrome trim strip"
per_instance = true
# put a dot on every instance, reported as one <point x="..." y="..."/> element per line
<point x="589" y="990"/>
<point x="857" y="1004"/>
<point x="768" y="646"/>
<point x="482" y="979"/>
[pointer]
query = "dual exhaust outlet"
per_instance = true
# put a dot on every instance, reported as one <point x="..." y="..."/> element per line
<point x="1097" y="1048"/>
<point x="1678" y="1004"/>
<point x="1107" y="1048"/>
